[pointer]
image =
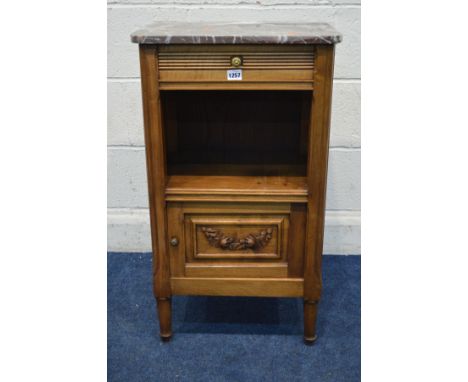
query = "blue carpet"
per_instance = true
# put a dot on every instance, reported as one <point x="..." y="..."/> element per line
<point x="230" y="338"/>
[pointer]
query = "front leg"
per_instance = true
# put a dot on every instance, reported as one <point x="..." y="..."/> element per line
<point x="310" y="319"/>
<point x="164" y="314"/>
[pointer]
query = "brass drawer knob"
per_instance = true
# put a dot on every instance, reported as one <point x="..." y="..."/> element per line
<point x="174" y="241"/>
<point x="236" y="61"/>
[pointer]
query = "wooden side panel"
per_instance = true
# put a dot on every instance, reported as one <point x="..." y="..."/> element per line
<point x="156" y="169"/>
<point x="317" y="171"/>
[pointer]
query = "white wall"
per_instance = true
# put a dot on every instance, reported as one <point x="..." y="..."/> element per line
<point x="128" y="220"/>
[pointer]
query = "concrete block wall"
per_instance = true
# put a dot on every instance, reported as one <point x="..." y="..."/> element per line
<point x="128" y="219"/>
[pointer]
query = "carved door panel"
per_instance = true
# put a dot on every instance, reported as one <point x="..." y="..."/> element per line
<point x="236" y="240"/>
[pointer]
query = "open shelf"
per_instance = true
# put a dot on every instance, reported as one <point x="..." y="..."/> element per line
<point x="236" y="188"/>
<point x="236" y="146"/>
<point x="236" y="128"/>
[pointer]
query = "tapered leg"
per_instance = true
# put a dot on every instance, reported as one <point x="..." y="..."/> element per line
<point x="164" y="314"/>
<point x="310" y="318"/>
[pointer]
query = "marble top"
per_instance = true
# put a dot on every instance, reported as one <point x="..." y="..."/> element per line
<point x="236" y="33"/>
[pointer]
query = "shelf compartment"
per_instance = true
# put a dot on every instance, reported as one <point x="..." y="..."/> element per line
<point x="236" y="128"/>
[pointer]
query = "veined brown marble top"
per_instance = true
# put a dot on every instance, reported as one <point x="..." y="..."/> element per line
<point x="236" y="33"/>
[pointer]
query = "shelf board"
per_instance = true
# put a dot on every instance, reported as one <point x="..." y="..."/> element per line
<point x="236" y="188"/>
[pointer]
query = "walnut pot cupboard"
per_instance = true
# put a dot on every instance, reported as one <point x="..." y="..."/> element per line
<point x="236" y="131"/>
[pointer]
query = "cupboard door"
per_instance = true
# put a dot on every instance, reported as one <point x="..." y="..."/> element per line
<point x="239" y="240"/>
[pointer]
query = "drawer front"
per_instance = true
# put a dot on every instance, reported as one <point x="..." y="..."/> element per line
<point x="236" y="239"/>
<point x="189" y="66"/>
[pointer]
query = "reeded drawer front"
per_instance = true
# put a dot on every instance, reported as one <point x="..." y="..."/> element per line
<point x="236" y="239"/>
<point x="277" y="65"/>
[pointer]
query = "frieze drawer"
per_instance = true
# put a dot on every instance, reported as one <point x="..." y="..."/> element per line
<point x="224" y="67"/>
